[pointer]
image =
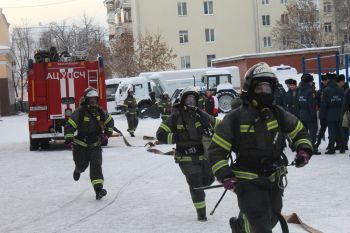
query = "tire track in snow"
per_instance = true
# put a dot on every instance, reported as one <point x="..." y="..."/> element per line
<point x="117" y="195"/>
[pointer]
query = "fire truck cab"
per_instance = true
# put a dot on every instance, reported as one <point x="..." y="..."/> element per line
<point x="54" y="92"/>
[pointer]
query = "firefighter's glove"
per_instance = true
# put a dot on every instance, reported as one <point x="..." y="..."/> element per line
<point x="230" y="183"/>
<point x="69" y="144"/>
<point x="182" y="137"/>
<point x="301" y="159"/>
<point x="104" y="139"/>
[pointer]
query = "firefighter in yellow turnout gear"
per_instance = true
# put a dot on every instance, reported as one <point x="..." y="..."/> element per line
<point x="93" y="127"/>
<point x="256" y="132"/>
<point x="186" y="127"/>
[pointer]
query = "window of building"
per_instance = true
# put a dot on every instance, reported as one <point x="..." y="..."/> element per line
<point x="284" y="18"/>
<point x="284" y="1"/>
<point x="327" y="7"/>
<point x="182" y="8"/>
<point x="185" y="62"/>
<point x="183" y="36"/>
<point x="346" y="38"/>
<point x="209" y="35"/>
<point x="328" y="27"/>
<point x="265" y="20"/>
<point x="267" y="42"/>
<point x="208" y="8"/>
<point x="284" y="41"/>
<point x="265" y="2"/>
<point x="209" y="59"/>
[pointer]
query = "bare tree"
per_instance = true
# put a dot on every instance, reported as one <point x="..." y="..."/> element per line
<point x="153" y="53"/>
<point x="147" y="53"/>
<point x="342" y="19"/>
<point x="123" y="55"/>
<point x="22" y="45"/>
<point x="299" y="26"/>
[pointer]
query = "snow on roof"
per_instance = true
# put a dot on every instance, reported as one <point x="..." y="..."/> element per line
<point x="217" y="72"/>
<point x="276" y="53"/>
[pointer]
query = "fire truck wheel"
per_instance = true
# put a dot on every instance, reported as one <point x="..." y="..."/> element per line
<point x="34" y="145"/>
<point x="225" y="99"/>
<point x="45" y="144"/>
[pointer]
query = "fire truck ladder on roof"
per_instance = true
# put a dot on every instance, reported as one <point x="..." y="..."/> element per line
<point x="93" y="79"/>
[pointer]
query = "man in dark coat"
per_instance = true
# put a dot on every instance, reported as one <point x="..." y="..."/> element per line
<point x="323" y="123"/>
<point x="291" y="98"/>
<point x="330" y="111"/>
<point x="307" y="106"/>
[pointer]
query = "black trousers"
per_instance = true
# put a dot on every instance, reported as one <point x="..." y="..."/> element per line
<point x="259" y="200"/>
<point x="197" y="174"/>
<point x="83" y="157"/>
<point x="335" y="133"/>
<point x="322" y="130"/>
<point x="312" y="129"/>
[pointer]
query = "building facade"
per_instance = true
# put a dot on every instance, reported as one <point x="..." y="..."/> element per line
<point x="7" y="93"/>
<point x="199" y="31"/>
<point x="118" y="17"/>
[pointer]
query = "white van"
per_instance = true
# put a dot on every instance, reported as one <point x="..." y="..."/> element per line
<point x="111" y="88"/>
<point x="142" y="87"/>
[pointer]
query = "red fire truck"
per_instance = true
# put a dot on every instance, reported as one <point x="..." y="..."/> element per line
<point x="54" y="91"/>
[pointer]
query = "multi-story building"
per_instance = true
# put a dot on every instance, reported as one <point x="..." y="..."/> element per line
<point x="118" y="16"/>
<point x="199" y="31"/>
<point x="7" y="93"/>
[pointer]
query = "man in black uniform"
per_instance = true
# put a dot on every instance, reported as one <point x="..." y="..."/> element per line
<point x="94" y="126"/>
<point x="256" y="133"/>
<point x="279" y="94"/>
<point x="307" y="106"/>
<point x="291" y="99"/>
<point x="323" y="123"/>
<point x="131" y="111"/>
<point x="330" y="111"/>
<point x="186" y="127"/>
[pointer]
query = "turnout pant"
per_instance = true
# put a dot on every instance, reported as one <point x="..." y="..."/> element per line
<point x="198" y="174"/>
<point x="260" y="202"/>
<point x="132" y="122"/>
<point x="83" y="156"/>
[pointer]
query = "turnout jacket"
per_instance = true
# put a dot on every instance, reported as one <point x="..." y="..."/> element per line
<point x="89" y="123"/>
<point x="165" y="107"/>
<point x="194" y="125"/>
<point x="130" y="105"/>
<point x="258" y="142"/>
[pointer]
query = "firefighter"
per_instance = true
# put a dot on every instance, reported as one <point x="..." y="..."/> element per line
<point x="345" y="131"/>
<point x="94" y="126"/>
<point x="131" y="112"/>
<point x="164" y="106"/>
<point x="186" y="127"/>
<point x="256" y="131"/>
<point x="210" y="101"/>
<point x="307" y="106"/>
<point x="279" y="94"/>
<point x="291" y="99"/>
<point x="330" y="111"/>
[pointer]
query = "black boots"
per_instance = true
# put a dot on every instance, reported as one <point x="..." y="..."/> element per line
<point x="100" y="192"/>
<point x="330" y="151"/>
<point x="76" y="175"/>
<point x="236" y="225"/>
<point x="201" y="214"/>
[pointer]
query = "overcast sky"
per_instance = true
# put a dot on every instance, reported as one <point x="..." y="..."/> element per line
<point x="45" y="11"/>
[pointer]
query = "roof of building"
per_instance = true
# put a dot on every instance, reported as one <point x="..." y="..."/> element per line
<point x="276" y="53"/>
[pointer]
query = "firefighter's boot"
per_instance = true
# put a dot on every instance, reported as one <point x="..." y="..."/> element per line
<point x="236" y="225"/>
<point x="201" y="214"/>
<point x="100" y="192"/>
<point x="76" y="175"/>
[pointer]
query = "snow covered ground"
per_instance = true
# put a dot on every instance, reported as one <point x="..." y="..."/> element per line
<point x="146" y="192"/>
